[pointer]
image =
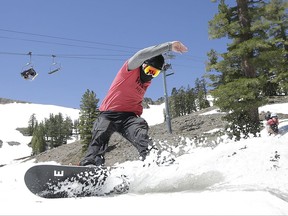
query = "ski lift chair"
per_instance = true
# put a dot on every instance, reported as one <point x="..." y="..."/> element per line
<point x="29" y="74"/>
<point x="55" y="66"/>
<point x="54" y="69"/>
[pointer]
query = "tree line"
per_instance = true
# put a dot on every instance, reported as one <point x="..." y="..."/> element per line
<point x="57" y="130"/>
<point x="185" y="101"/>
<point x="50" y="133"/>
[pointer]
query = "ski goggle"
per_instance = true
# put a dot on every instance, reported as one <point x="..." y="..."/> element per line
<point x="149" y="70"/>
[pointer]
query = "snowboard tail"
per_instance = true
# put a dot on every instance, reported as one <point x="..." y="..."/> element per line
<point x="58" y="181"/>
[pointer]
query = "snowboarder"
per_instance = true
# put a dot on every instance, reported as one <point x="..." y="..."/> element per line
<point x="121" y="109"/>
<point x="272" y="124"/>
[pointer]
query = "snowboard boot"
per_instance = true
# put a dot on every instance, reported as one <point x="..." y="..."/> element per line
<point x="98" y="161"/>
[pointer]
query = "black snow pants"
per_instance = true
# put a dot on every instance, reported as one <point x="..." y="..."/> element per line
<point x="130" y="126"/>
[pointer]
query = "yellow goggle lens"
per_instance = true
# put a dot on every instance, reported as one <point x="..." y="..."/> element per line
<point x="149" y="70"/>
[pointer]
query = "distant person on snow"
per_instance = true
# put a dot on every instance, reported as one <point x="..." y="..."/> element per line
<point x="121" y="109"/>
<point x="272" y="124"/>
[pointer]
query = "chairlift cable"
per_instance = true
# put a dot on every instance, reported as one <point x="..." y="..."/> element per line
<point x="69" y="39"/>
<point x="65" y="44"/>
<point x="79" y="56"/>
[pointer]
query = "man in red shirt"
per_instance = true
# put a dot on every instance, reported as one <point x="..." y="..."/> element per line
<point x="121" y="109"/>
<point x="272" y="124"/>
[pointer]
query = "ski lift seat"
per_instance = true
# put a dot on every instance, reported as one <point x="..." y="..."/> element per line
<point x="29" y="74"/>
<point x="55" y="67"/>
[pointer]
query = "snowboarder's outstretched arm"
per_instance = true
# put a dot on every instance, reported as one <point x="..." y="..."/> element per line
<point x="142" y="55"/>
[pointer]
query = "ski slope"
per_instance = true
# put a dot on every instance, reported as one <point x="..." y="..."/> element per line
<point x="248" y="177"/>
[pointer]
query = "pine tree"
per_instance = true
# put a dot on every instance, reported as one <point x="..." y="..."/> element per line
<point x="67" y="129"/>
<point x="31" y="124"/>
<point x="185" y="101"/>
<point x="88" y="114"/>
<point x="175" y="103"/>
<point x="201" y="94"/>
<point x="52" y="128"/>
<point x="244" y="68"/>
<point x="57" y="130"/>
<point x="76" y="128"/>
<point x="276" y="18"/>
<point x="38" y="140"/>
<point x="190" y="100"/>
<point x="60" y="137"/>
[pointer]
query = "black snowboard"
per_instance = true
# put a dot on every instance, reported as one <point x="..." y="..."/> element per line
<point x="57" y="181"/>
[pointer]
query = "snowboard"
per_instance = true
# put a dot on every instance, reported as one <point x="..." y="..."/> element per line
<point x="63" y="181"/>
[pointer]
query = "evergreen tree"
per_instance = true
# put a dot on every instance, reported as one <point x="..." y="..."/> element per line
<point x="38" y="140"/>
<point x="31" y="124"/>
<point x="184" y="101"/>
<point x="60" y="130"/>
<point x="52" y="129"/>
<point x="276" y="18"/>
<point x="76" y="127"/>
<point x="67" y="129"/>
<point x="88" y="114"/>
<point x="176" y="103"/>
<point x="190" y="100"/>
<point x="201" y="92"/>
<point x="244" y="68"/>
<point x="51" y="132"/>
<point x="57" y="130"/>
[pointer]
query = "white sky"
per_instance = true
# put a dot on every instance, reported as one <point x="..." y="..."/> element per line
<point x="235" y="178"/>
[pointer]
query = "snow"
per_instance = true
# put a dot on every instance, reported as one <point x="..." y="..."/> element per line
<point x="154" y="115"/>
<point x="17" y="115"/>
<point x="248" y="177"/>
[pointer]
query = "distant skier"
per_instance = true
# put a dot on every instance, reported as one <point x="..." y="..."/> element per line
<point x="122" y="107"/>
<point x="272" y="124"/>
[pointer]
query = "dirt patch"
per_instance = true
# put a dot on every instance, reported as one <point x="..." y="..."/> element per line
<point x="120" y="150"/>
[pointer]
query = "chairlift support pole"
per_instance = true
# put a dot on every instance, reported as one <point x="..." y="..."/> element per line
<point x="168" y="121"/>
<point x="165" y="68"/>
<point x="30" y="58"/>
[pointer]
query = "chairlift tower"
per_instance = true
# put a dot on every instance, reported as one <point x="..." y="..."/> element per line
<point x="165" y="68"/>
